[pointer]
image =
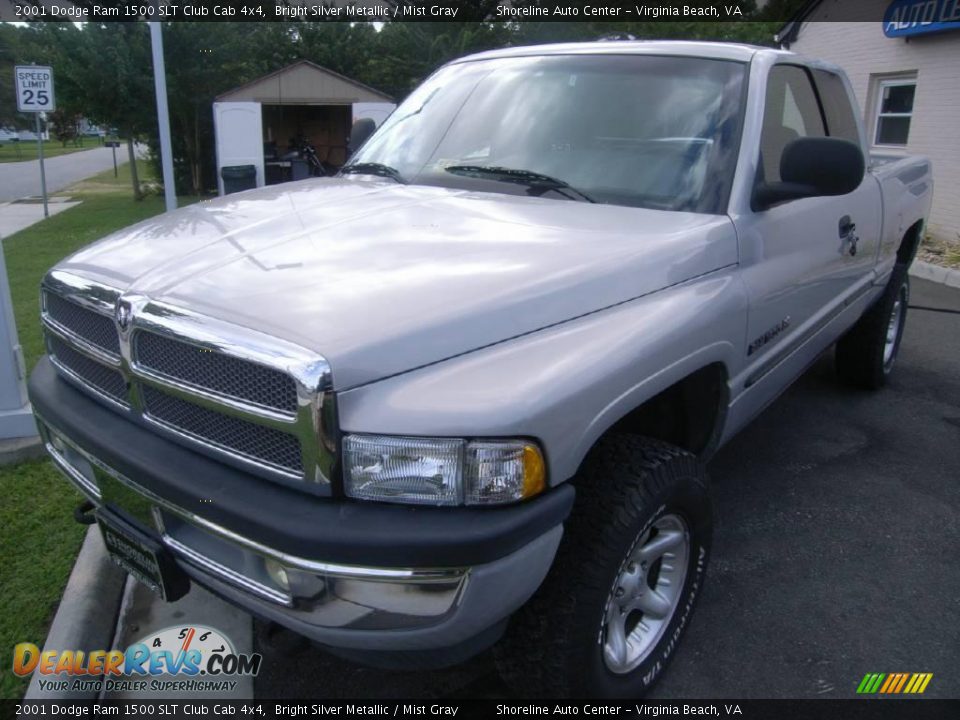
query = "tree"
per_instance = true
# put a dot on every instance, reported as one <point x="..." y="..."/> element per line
<point x="65" y="126"/>
<point x="102" y="71"/>
<point x="16" y="48"/>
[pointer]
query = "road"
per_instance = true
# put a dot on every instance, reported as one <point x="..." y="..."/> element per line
<point x="837" y="529"/>
<point x="20" y="179"/>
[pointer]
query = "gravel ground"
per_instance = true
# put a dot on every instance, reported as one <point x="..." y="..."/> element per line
<point x="838" y="524"/>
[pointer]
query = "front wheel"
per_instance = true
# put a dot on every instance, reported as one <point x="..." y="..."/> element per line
<point x="609" y="616"/>
<point x="866" y="354"/>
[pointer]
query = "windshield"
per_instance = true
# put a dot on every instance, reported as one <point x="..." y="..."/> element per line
<point x="635" y="130"/>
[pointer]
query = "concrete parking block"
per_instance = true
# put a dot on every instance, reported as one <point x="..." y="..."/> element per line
<point x="87" y="617"/>
<point x="15" y="450"/>
<point x="143" y="614"/>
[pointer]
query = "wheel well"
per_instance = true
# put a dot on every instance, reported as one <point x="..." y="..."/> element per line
<point x="688" y="414"/>
<point x="910" y="243"/>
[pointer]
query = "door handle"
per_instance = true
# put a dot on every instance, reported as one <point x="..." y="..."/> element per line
<point x="848" y="231"/>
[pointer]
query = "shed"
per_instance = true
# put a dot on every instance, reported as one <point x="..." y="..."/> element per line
<point x="262" y="122"/>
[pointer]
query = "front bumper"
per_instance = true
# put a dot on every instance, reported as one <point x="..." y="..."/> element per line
<point x="348" y="574"/>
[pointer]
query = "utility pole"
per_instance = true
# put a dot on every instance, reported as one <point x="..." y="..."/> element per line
<point x="163" y="115"/>
<point x="16" y="418"/>
<point x="34" y="91"/>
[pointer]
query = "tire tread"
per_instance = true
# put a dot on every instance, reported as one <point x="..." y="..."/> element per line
<point x="615" y="488"/>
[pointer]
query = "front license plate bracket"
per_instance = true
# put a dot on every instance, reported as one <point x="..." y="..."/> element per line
<point x="141" y="555"/>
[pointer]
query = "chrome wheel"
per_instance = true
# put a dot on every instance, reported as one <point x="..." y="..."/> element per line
<point x="645" y="594"/>
<point x="893" y="330"/>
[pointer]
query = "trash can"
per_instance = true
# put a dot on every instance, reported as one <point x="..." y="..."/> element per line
<point x="238" y="177"/>
<point x="299" y="169"/>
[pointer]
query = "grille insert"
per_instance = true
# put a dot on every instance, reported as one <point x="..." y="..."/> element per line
<point x="262" y="444"/>
<point x="96" y="329"/>
<point x="215" y="372"/>
<point x="108" y="381"/>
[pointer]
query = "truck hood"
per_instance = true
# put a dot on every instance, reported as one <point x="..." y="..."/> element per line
<point x="381" y="278"/>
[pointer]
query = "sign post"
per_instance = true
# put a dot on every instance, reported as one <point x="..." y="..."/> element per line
<point x="35" y="94"/>
<point x="43" y="172"/>
<point x="114" y="145"/>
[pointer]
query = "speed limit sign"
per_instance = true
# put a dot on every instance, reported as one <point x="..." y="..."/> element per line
<point x="34" y="88"/>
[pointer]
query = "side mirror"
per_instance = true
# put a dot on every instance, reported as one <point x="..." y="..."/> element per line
<point x="813" y="167"/>
<point x="360" y="132"/>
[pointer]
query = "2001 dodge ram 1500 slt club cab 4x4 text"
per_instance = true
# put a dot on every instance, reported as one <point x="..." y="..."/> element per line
<point x="462" y="394"/>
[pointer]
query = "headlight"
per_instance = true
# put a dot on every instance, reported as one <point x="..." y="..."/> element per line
<point x="441" y="471"/>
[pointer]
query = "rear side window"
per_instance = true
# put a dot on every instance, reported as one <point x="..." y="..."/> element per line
<point x="791" y="112"/>
<point x="841" y="120"/>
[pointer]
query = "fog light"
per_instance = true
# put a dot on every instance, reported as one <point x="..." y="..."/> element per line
<point x="58" y="444"/>
<point x="277" y="573"/>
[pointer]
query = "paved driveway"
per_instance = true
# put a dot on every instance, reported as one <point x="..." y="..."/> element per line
<point x="20" y="179"/>
<point x="838" y="527"/>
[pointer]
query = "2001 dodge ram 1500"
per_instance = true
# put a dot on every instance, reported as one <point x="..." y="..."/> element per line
<point x="463" y="393"/>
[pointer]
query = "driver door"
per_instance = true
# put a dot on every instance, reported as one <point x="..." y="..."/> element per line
<point x="804" y="259"/>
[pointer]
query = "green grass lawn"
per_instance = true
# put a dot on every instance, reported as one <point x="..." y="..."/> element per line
<point x="38" y="536"/>
<point x="38" y="542"/>
<point x="27" y="149"/>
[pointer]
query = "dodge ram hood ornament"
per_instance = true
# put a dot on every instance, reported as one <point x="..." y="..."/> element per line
<point x="123" y="314"/>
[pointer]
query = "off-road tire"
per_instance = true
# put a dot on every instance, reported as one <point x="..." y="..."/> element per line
<point x="554" y="644"/>
<point x="860" y="355"/>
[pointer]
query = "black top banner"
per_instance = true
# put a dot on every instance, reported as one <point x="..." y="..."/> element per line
<point x="926" y="709"/>
<point x="467" y="10"/>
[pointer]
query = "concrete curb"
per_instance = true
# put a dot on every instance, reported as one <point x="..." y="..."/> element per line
<point x="87" y="616"/>
<point x="17" y="450"/>
<point x="935" y="273"/>
<point x="103" y="608"/>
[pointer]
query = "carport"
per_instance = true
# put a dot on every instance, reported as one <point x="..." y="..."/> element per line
<point x="258" y="123"/>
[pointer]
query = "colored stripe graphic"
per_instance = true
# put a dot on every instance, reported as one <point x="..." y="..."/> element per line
<point x="894" y="683"/>
<point x="900" y="684"/>
<point x="870" y="683"/>
<point x="892" y="679"/>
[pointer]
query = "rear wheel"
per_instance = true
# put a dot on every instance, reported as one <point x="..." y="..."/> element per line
<point x="621" y="592"/>
<point x="866" y="354"/>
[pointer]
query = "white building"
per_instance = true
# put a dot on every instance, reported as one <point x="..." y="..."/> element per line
<point x="905" y="70"/>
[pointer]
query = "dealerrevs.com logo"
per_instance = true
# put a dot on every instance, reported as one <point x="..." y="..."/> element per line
<point x="195" y="658"/>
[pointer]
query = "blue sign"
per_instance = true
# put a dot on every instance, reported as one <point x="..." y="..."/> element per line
<point x="918" y="17"/>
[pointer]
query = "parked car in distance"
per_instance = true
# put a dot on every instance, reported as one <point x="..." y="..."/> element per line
<point x="463" y="394"/>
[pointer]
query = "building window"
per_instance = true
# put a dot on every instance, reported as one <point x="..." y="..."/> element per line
<point x="894" y="111"/>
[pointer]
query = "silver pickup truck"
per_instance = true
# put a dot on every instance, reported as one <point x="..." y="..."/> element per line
<point x="463" y="394"/>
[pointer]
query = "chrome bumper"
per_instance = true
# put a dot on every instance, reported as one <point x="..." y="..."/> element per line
<point x="334" y="595"/>
<point x="340" y="605"/>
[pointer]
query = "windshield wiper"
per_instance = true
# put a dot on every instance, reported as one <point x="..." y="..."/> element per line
<point x="373" y="168"/>
<point x="523" y="177"/>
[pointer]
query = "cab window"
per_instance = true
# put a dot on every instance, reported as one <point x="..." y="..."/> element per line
<point x="791" y="112"/>
<point x="841" y="119"/>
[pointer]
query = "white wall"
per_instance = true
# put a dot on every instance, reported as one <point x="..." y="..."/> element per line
<point x="864" y="52"/>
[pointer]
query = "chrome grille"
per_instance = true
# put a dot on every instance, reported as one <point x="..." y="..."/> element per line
<point x="256" y="442"/>
<point x="96" y="329"/>
<point x="215" y="372"/>
<point x="107" y="381"/>
<point x="249" y="399"/>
